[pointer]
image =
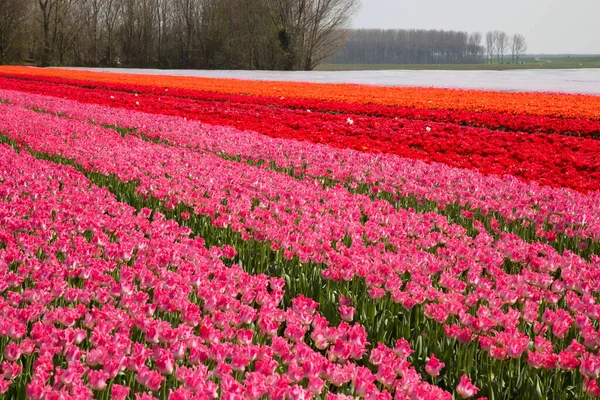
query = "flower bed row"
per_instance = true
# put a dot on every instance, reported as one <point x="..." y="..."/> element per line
<point x="491" y="120"/>
<point x="549" y="211"/>
<point x="482" y="289"/>
<point x="98" y="302"/>
<point x="546" y="104"/>
<point x="549" y="159"/>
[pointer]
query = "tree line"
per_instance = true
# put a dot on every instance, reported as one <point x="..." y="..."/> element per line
<point x="232" y="34"/>
<point x="418" y="46"/>
<point x="499" y="43"/>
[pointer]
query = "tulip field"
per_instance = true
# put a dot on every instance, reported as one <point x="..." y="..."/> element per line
<point x="169" y="237"/>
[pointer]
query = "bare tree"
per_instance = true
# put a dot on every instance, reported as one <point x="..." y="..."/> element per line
<point x="501" y="43"/>
<point x="289" y="17"/>
<point x="94" y="25"/>
<point x="518" y="46"/>
<point x="324" y="29"/>
<point x="162" y="21"/>
<point x="12" y="15"/>
<point x="186" y="20"/>
<point x="249" y="35"/>
<point x="69" y="19"/>
<point x="213" y="32"/>
<point x="474" y="48"/>
<point x="308" y="29"/>
<point x="490" y="45"/>
<point x="46" y="8"/>
<point x="111" y="13"/>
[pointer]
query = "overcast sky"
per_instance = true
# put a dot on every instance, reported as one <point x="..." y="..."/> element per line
<point x="550" y="26"/>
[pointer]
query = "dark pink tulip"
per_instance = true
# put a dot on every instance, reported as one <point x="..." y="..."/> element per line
<point x="434" y="366"/>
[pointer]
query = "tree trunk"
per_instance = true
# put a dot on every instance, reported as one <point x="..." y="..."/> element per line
<point x="47" y="47"/>
<point x="46" y="8"/>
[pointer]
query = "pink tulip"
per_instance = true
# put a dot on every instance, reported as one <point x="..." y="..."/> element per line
<point x="97" y="380"/>
<point x="12" y="351"/>
<point x="592" y="388"/>
<point x="465" y="388"/>
<point x="434" y="366"/>
<point x="150" y="379"/>
<point x="347" y="313"/>
<point x="315" y="385"/>
<point x="11" y="370"/>
<point x="119" y="392"/>
<point x="402" y="349"/>
<point x="590" y="366"/>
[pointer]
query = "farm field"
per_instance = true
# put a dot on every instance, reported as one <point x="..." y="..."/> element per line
<point x="185" y="237"/>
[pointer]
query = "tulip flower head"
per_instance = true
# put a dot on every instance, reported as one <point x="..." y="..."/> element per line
<point x="434" y="366"/>
<point x="465" y="388"/>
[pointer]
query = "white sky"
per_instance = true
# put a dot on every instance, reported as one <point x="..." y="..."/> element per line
<point x="549" y="26"/>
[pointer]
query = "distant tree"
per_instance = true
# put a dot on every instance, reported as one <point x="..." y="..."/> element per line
<point x="490" y="45"/>
<point x="475" y="49"/>
<point x="12" y="16"/>
<point x="501" y="43"/>
<point x="518" y="46"/>
<point x="496" y="39"/>
<point x="394" y="46"/>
